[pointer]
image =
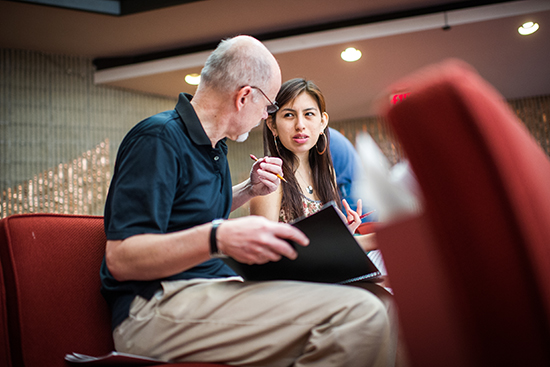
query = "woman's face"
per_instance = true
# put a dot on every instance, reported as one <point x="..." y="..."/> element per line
<point x="299" y="124"/>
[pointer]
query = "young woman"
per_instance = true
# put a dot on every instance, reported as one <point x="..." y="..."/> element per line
<point x="298" y="134"/>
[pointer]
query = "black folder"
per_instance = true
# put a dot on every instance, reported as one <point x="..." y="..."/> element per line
<point x="332" y="256"/>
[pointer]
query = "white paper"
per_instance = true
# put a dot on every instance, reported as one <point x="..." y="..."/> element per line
<point x="392" y="191"/>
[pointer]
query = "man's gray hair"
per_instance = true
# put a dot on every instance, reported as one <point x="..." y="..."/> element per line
<point x="234" y="64"/>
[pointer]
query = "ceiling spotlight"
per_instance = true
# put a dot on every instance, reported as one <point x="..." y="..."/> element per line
<point x="351" y="54"/>
<point x="193" y="79"/>
<point x="528" y="28"/>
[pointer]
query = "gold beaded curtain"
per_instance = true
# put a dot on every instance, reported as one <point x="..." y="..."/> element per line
<point x="59" y="133"/>
<point x="77" y="187"/>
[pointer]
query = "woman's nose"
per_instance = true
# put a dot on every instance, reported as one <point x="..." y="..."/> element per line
<point x="299" y="123"/>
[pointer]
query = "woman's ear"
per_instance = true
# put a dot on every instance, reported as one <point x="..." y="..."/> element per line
<point x="324" y="120"/>
<point x="271" y="125"/>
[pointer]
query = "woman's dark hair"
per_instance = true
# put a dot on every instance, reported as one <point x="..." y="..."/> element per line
<point x="322" y="169"/>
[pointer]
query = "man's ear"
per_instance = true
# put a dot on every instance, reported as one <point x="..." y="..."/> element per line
<point x="242" y="95"/>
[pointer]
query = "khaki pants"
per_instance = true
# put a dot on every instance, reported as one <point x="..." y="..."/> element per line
<point x="280" y="323"/>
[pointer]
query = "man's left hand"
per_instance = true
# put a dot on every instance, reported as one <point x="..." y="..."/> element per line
<point x="263" y="175"/>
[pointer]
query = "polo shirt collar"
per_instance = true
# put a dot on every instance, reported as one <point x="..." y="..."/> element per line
<point x="191" y="120"/>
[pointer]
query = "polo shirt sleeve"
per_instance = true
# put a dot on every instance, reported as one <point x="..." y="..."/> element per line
<point x="143" y="188"/>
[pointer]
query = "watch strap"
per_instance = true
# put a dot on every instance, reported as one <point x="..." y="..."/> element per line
<point x="214" y="251"/>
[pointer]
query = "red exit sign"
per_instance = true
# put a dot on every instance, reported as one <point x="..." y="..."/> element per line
<point x="398" y="97"/>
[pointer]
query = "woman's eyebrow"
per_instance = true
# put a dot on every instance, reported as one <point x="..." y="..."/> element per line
<point x="305" y="109"/>
<point x="288" y="109"/>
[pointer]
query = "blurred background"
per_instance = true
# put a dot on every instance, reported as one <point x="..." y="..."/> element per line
<point x="75" y="76"/>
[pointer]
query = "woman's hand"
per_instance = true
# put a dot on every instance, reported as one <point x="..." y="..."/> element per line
<point x="353" y="217"/>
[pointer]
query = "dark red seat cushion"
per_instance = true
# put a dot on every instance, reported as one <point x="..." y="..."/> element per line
<point x="51" y="273"/>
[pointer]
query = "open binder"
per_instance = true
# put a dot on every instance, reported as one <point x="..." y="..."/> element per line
<point x="332" y="256"/>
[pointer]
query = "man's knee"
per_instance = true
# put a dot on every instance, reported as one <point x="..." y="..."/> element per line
<point x="366" y="308"/>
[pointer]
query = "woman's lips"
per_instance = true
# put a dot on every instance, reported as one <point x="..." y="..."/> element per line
<point x="300" y="139"/>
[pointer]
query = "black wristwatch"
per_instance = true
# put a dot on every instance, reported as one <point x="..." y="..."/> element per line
<point x="214" y="251"/>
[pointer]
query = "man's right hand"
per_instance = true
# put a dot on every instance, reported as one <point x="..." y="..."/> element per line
<point x="257" y="240"/>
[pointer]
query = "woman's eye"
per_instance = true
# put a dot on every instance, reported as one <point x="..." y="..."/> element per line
<point x="288" y="114"/>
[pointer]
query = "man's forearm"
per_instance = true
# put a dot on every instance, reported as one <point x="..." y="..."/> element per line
<point x="157" y="256"/>
<point x="242" y="193"/>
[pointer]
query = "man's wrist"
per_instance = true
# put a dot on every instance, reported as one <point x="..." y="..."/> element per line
<point x="249" y="189"/>
<point x="214" y="250"/>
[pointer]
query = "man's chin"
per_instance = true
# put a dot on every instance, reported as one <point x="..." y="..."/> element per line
<point x="241" y="138"/>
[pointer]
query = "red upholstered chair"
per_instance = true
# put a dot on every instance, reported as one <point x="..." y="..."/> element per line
<point x="471" y="275"/>
<point x="367" y="227"/>
<point x="50" y="266"/>
<point x="5" y="355"/>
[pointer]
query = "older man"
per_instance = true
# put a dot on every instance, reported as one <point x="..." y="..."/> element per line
<point x="171" y="296"/>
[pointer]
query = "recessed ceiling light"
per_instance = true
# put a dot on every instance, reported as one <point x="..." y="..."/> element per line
<point x="193" y="79"/>
<point x="528" y="28"/>
<point x="350" y="54"/>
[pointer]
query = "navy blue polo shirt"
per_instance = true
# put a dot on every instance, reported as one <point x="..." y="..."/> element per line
<point x="167" y="178"/>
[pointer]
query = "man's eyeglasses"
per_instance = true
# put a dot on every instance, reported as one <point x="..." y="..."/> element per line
<point x="273" y="107"/>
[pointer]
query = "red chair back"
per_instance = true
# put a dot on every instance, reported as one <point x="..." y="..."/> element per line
<point x="51" y="272"/>
<point x="50" y="291"/>
<point x="486" y="187"/>
<point x="5" y="354"/>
